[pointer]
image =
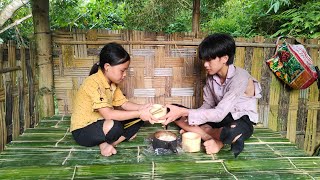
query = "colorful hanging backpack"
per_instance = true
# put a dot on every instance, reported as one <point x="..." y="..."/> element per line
<point x="292" y="64"/>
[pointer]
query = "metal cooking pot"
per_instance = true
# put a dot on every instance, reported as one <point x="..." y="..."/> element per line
<point x="166" y="140"/>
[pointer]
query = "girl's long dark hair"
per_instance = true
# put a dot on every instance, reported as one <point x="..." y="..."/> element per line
<point x="111" y="53"/>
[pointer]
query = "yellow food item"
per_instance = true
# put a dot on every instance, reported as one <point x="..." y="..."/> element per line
<point x="167" y="138"/>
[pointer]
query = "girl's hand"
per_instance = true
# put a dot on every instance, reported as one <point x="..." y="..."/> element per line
<point x="145" y="114"/>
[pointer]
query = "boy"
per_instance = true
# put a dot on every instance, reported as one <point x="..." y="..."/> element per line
<point x="229" y="108"/>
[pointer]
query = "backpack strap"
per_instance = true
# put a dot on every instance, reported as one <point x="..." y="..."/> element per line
<point x="279" y="38"/>
<point x="318" y="72"/>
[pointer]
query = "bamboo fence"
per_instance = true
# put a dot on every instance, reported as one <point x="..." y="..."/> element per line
<point x="18" y="91"/>
<point x="165" y="69"/>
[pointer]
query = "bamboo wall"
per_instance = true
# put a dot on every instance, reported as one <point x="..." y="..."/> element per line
<point x="165" y="69"/>
<point x="18" y="91"/>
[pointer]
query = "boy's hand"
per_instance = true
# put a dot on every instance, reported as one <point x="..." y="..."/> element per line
<point x="174" y="113"/>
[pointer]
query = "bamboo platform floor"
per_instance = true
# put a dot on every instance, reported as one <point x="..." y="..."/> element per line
<point x="49" y="152"/>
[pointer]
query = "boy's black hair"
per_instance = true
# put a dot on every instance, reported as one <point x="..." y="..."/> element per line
<point x="111" y="53"/>
<point x="217" y="45"/>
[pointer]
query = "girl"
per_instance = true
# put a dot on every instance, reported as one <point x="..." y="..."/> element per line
<point x="94" y="120"/>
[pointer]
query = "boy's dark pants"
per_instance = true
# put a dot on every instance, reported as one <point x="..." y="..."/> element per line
<point x="232" y="128"/>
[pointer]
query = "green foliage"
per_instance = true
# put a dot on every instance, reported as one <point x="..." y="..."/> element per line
<point x="86" y="14"/>
<point x="166" y="15"/>
<point x="153" y="15"/>
<point x="208" y="8"/>
<point x="257" y="17"/>
<point x="182" y="23"/>
<point x="64" y="13"/>
<point x="275" y="5"/>
<point x="232" y="17"/>
<point x="302" y="21"/>
<point x="248" y="18"/>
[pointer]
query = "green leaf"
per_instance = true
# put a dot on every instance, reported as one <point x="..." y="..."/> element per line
<point x="276" y="6"/>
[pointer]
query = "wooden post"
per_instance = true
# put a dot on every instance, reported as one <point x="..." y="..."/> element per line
<point x="196" y="17"/>
<point x="40" y="11"/>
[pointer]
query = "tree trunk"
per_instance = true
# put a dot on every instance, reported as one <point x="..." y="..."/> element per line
<point x="8" y="11"/>
<point x="196" y="17"/>
<point x="40" y="11"/>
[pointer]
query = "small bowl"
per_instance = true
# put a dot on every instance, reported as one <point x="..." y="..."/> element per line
<point x="158" y="111"/>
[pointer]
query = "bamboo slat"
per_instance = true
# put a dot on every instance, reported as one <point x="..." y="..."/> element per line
<point x="168" y="86"/>
<point x="249" y="56"/>
<point x="68" y="55"/>
<point x="149" y="67"/>
<point x="3" y="135"/>
<point x="31" y="71"/>
<point x="8" y="108"/>
<point x="2" y="52"/>
<point x="159" y="54"/>
<point x="283" y="108"/>
<point x="292" y="116"/>
<point x="314" y="97"/>
<point x="263" y="103"/>
<point x="92" y="35"/>
<point x="177" y="78"/>
<point x="257" y="59"/>
<point x="137" y="61"/>
<point x="274" y="102"/>
<point x="240" y="54"/>
<point x="3" y="130"/>
<point x="139" y="76"/>
<point x="22" y="84"/>
<point x="173" y="62"/>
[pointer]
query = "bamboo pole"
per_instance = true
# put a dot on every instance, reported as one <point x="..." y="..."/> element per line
<point x="10" y="69"/>
<point x="12" y="59"/>
<point x="8" y="108"/>
<point x="8" y="81"/>
<point x="30" y="68"/>
<point x="26" y="84"/>
<point x="21" y="87"/>
<point x="2" y="108"/>
<point x="264" y="106"/>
